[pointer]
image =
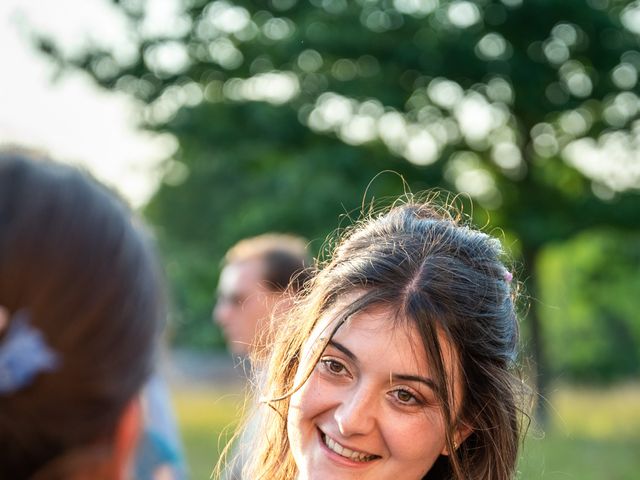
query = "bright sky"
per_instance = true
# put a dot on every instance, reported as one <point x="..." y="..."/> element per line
<point x="71" y="119"/>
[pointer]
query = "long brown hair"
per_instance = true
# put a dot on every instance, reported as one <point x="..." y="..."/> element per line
<point x="439" y="275"/>
<point x="74" y="261"/>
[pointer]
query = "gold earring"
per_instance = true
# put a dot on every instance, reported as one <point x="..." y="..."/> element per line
<point x="455" y="445"/>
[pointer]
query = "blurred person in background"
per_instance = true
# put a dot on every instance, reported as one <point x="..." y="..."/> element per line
<point x="259" y="278"/>
<point x="81" y="310"/>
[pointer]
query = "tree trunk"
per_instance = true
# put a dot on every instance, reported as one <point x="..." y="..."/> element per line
<point x="540" y="370"/>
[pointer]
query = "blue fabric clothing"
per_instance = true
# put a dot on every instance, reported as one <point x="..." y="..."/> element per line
<point x="160" y="443"/>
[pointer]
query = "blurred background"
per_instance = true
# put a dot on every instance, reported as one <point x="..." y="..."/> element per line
<point x="222" y="119"/>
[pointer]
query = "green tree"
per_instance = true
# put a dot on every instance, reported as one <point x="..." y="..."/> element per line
<point x="589" y="292"/>
<point x="285" y="108"/>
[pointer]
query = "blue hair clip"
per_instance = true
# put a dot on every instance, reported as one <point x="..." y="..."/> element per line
<point x="24" y="354"/>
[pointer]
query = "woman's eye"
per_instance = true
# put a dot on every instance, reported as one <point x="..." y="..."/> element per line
<point x="406" y="397"/>
<point x="333" y="366"/>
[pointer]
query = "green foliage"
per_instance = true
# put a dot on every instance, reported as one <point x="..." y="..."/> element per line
<point x="490" y="95"/>
<point x="242" y="183"/>
<point x="286" y="109"/>
<point x="589" y="293"/>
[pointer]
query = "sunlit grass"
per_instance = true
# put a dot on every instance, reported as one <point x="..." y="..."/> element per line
<point x="207" y="420"/>
<point x="598" y="413"/>
<point x="594" y="434"/>
<point x="561" y="457"/>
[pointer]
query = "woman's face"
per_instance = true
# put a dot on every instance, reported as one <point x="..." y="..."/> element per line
<point x="369" y="410"/>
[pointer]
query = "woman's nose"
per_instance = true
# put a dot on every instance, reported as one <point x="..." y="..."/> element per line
<point x="356" y="414"/>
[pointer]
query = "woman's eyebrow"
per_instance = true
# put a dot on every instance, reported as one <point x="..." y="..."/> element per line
<point x="343" y="349"/>
<point x="414" y="378"/>
<point x="394" y="376"/>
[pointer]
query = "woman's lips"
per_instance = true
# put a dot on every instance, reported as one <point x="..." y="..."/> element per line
<point x="346" y="452"/>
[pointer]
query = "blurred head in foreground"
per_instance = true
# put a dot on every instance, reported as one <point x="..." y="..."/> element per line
<point x="399" y="360"/>
<point x="258" y="277"/>
<point x="81" y="306"/>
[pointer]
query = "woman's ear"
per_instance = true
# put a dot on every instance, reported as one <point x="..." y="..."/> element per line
<point x="126" y="438"/>
<point x="462" y="432"/>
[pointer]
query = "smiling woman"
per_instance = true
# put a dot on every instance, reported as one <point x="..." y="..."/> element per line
<point x="363" y="415"/>
<point x="399" y="361"/>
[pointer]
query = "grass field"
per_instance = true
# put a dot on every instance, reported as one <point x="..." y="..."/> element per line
<point x="594" y="434"/>
<point x="207" y="419"/>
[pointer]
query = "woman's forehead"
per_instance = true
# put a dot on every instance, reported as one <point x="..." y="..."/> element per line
<point x="378" y="319"/>
<point x="372" y="320"/>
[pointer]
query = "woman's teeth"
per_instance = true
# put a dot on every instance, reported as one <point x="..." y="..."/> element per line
<point x="345" y="452"/>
